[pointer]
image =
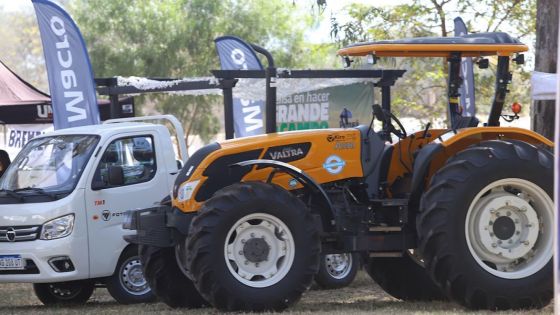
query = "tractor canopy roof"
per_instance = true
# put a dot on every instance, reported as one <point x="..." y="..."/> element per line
<point x="471" y="45"/>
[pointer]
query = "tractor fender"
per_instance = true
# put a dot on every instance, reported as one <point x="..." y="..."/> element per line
<point x="453" y="142"/>
<point x="421" y="167"/>
<point x="327" y="209"/>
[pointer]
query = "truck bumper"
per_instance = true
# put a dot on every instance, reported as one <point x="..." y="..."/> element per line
<point x="44" y="257"/>
<point x="162" y="226"/>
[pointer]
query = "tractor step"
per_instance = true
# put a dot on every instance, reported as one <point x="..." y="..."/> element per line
<point x="385" y="254"/>
<point x="398" y="202"/>
<point x="385" y="229"/>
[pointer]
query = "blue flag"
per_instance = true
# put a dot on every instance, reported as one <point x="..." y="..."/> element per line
<point x="467" y="88"/>
<point x="236" y="54"/>
<point x="71" y="84"/>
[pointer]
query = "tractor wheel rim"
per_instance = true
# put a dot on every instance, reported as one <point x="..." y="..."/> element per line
<point x="338" y="266"/>
<point x="132" y="277"/>
<point x="509" y="228"/>
<point x="259" y="250"/>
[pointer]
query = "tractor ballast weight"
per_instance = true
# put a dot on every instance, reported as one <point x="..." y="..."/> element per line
<point x="464" y="213"/>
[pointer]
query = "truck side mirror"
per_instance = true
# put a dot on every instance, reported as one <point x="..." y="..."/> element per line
<point x="115" y="176"/>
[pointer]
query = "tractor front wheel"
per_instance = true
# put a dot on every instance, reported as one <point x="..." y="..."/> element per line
<point x="486" y="226"/>
<point x="166" y="278"/>
<point x="253" y="247"/>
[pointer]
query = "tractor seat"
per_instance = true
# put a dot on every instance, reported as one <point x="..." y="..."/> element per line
<point x="465" y="122"/>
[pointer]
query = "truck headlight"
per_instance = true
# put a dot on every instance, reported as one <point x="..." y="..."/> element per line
<point x="58" y="228"/>
<point x="186" y="191"/>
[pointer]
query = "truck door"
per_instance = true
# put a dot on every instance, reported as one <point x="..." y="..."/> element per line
<point x="127" y="176"/>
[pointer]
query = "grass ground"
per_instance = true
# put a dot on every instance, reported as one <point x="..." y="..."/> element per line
<point x="362" y="297"/>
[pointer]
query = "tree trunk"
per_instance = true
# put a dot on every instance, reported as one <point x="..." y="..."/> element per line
<point x="543" y="112"/>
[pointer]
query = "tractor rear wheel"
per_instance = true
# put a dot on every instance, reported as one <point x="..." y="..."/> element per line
<point x="486" y="226"/>
<point x="253" y="247"/>
<point x="166" y="279"/>
<point x="404" y="278"/>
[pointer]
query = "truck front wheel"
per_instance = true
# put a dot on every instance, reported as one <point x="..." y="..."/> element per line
<point x="337" y="270"/>
<point x="128" y="284"/>
<point x="64" y="293"/>
<point x="253" y="247"/>
<point x="486" y="227"/>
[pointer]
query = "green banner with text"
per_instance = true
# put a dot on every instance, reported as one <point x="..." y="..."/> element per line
<point x="321" y="108"/>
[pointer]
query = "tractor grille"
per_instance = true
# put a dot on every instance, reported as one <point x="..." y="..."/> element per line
<point x="19" y="233"/>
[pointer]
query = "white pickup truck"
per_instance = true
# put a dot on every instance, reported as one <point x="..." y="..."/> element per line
<point x="61" y="206"/>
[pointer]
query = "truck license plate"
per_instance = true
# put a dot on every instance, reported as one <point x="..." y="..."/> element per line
<point x="11" y="262"/>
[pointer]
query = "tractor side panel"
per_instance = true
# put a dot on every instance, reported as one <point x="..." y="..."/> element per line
<point x="325" y="155"/>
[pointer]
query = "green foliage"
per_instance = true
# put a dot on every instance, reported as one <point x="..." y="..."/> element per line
<point x="422" y="93"/>
<point x="20" y="47"/>
<point x="174" y="38"/>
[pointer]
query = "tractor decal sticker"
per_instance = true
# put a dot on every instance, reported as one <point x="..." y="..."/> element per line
<point x="341" y="137"/>
<point x="288" y="153"/>
<point x="334" y="164"/>
<point x="344" y="145"/>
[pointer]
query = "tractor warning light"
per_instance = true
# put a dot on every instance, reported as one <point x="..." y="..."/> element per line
<point x="516" y="108"/>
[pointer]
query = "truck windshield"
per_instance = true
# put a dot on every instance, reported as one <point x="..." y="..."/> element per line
<point x="50" y="164"/>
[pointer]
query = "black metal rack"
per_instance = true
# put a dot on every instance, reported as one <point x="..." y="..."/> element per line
<point x="227" y="79"/>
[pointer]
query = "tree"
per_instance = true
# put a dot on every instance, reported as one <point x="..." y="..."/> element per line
<point x="422" y="91"/>
<point x="543" y="113"/>
<point x="20" y="47"/>
<point x="174" y="38"/>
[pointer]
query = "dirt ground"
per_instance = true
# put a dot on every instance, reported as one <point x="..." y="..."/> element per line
<point x="362" y="297"/>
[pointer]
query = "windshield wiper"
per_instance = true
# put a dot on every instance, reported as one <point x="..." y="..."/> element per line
<point x="12" y="194"/>
<point x="38" y="190"/>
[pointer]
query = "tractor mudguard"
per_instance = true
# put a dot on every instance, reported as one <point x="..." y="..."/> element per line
<point x="327" y="210"/>
<point x="421" y="168"/>
<point x="432" y="156"/>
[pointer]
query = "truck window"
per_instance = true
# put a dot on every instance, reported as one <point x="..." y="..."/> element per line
<point x="133" y="156"/>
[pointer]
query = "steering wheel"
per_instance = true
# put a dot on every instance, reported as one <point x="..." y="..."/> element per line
<point x="386" y="116"/>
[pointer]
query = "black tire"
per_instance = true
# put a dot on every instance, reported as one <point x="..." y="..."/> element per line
<point x="64" y="293"/>
<point x="443" y="225"/>
<point x="334" y="277"/>
<point x="207" y="240"/>
<point x="167" y="280"/>
<point x="125" y="285"/>
<point x="403" y="278"/>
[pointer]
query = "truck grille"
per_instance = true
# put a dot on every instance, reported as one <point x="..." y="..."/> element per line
<point x="19" y="233"/>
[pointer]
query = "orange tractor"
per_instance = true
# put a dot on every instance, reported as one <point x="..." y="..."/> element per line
<point x="464" y="213"/>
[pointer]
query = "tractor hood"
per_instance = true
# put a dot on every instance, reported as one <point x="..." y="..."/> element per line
<point x="326" y="155"/>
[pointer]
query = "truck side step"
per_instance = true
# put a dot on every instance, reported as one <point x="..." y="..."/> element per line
<point x="385" y="254"/>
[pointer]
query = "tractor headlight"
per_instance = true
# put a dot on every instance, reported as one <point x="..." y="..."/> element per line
<point x="58" y="228"/>
<point x="186" y="191"/>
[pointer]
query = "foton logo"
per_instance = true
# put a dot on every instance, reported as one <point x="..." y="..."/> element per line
<point x="67" y="76"/>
